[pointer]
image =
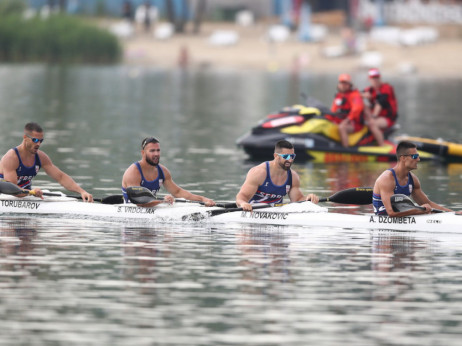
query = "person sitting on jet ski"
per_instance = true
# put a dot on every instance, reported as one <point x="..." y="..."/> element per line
<point x="383" y="109"/>
<point x="348" y="108"/>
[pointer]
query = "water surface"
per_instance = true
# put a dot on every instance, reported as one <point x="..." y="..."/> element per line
<point x="104" y="283"/>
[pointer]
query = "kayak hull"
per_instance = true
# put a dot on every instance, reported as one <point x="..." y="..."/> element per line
<point x="303" y="214"/>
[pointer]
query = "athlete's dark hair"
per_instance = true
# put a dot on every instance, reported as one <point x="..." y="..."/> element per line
<point x="148" y="140"/>
<point x="283" y="144"/>
<point x="403" y="147"/>
<point x="33" y="127"/>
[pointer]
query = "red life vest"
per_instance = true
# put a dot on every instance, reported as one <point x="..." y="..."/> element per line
<point x="350" y="105"/>
<point x="386" y="98"/>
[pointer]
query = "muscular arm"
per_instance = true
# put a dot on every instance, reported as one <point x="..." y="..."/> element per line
<point x="385" y="186"/>
<point x="421" y="198"/>
<point x="179" y="192"/>
<point x="132" y="177"/>
<point x="295" y="194"/>
<point x="62" y="178"/>
<point x="255" y="177"/>
<point x="9" y="163"/>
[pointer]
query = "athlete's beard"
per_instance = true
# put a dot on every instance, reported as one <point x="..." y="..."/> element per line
<point x="284" y="167"/>
<point x="152" y="163"/>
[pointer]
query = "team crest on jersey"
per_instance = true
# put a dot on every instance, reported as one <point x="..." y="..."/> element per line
<point x="37" y="168"/>
<point x="410" y="188"/>
<point x="161" y="181"/>
<point x="287" y="188"/>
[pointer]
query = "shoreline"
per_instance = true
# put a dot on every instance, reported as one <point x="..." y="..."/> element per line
<point x="252" y="51"/>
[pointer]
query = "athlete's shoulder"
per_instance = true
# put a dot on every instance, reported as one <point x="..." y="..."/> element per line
<point x="386" y="175"/>
<point x="11" y="153"/>
<point x="258" y="169"/>
<point x="257" y="174"/>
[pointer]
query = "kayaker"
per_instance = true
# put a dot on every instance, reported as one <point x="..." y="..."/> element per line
<point x="22" y="163"/>
<point x="348" y="108"/>
<point x="400" y="180"/>
<point x="270" y="181"/>
<point x="382" y="111"/>
<point x="149" y="173"/>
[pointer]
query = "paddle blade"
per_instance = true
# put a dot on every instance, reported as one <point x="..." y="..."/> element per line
<point x="140" y="195"/>
<point x="401" y="202"/>
<point x="355" y="195"/>
<point x="113" y="199"/>
<point x="11" y="189"/>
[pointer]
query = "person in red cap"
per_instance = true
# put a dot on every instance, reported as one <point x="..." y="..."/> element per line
<point x="383" y="107"/>
<point x="348" y="108"/>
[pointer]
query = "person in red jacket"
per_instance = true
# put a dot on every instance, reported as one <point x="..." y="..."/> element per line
<point x="383" y="109"/>
<point x="349" y="107"/>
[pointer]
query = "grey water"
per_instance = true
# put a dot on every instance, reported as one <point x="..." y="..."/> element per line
<point x="91" y="282"/>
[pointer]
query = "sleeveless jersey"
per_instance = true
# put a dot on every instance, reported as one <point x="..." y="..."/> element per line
<point x="379" y="208"/>
<point x="270" y="193"/>
<point x="24" y="173"/>
<point x="153" y="185"/>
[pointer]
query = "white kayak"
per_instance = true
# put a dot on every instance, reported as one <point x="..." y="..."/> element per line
<point x="292" y="214"/>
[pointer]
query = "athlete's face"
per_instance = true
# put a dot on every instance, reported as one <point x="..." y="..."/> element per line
<point x="409" y="161"/>
<point x="151" y="153"/>
<point x="32" y="141"/>
<point x="283" y="163"/>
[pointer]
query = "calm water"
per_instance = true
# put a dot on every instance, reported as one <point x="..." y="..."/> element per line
<point x="101" y="283"/>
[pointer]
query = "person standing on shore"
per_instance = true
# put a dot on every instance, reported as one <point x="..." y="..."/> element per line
<point x="270" y="181"/>
<point x="22" y="163"/>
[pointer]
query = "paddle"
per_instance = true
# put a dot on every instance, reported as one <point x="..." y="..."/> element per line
<point x="142" y="195"/>
<point x="354" y="195"/>
<point x="8" y="188"/>
<point x="402" y="202"/>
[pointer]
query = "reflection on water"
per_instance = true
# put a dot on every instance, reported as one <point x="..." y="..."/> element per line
<point x="199" y="286"/>
<point x="90" y="282"/>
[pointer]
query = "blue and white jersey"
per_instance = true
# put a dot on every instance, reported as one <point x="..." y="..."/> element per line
<point x="153" y="185"/>
<point x="270" y="193"/>
<point x="24" y="173"/>
<point x="379" y="208"/>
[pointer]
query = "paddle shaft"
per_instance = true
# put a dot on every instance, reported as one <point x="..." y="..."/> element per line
<point x="355" y="195"/>
<point x="141" y="195"/>
<point x="9" y="188"/>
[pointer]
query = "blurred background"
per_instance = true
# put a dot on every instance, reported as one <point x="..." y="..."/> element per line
<point x="101" y="75"/>
<point x="399" y="36"/>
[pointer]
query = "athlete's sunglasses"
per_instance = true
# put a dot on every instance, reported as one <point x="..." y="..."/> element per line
<point x="35" y="140"/>
<point x="288" y="156"/>
<point x="413" y="156"/>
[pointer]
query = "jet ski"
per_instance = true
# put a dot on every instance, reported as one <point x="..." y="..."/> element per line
<point x="446" y="151"/>
<point x="316" y="138"/>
